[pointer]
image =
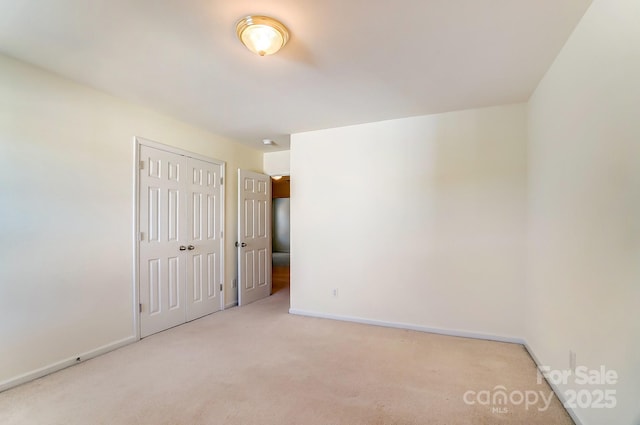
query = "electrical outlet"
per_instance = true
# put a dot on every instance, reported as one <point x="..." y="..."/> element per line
<point x="234" y="283"/>
<point x="572" y="361"/>
<point x="334" y="292"/>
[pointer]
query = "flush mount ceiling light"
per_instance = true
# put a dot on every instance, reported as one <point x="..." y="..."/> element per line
<point x="268" y="142"/>
<point x="261" y="34"/>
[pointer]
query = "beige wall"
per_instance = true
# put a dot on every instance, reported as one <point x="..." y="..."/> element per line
<point x="419" y="221"/>
<point x="583" y="292"/>
<point x="66" y="171"/>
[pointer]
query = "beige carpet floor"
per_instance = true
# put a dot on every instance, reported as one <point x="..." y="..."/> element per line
<point x="259" y="365"/>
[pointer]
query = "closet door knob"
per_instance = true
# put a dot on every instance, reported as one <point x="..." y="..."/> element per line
<point x="191" y="248"/>
<point x="183" y="248"/>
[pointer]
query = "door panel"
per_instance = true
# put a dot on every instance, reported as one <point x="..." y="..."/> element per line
<point x="254" y="236"/>
<point x="162" y="224"/>
<point x="203" y="268"/>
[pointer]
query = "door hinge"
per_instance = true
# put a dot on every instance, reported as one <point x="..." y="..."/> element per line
<point x="221" y="181"/>
<point x="142" y="165"/>
<point x="141" y="236"/>
<point x="221" y="287"/>
<point x="221" y="235"/>
<point x="140" y="308"/>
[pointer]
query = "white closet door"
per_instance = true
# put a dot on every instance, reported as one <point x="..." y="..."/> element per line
<point x="204" y="249"/>
<point x="163" y="227"/>
<point x="181" y="242"/>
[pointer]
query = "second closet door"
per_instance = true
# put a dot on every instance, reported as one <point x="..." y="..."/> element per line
<point x="204" y="256"/>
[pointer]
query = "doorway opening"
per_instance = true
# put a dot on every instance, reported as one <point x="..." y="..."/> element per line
<point x="280" y="224"/>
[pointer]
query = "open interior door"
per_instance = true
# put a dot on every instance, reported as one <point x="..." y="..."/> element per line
<point x="254" y="236"/>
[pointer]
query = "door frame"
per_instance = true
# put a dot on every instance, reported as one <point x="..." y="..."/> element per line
<point x="137" y="142"/>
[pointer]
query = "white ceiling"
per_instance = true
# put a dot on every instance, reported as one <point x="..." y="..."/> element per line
<point x="348" y="61"/>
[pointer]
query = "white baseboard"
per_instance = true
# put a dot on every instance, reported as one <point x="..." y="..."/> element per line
<point x="39" y="373"/>
<point x="409" y="326"/>
<point x="554" y="387"/>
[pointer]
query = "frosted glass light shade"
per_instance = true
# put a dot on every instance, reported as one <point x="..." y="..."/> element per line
<point x="261" y="34"/>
